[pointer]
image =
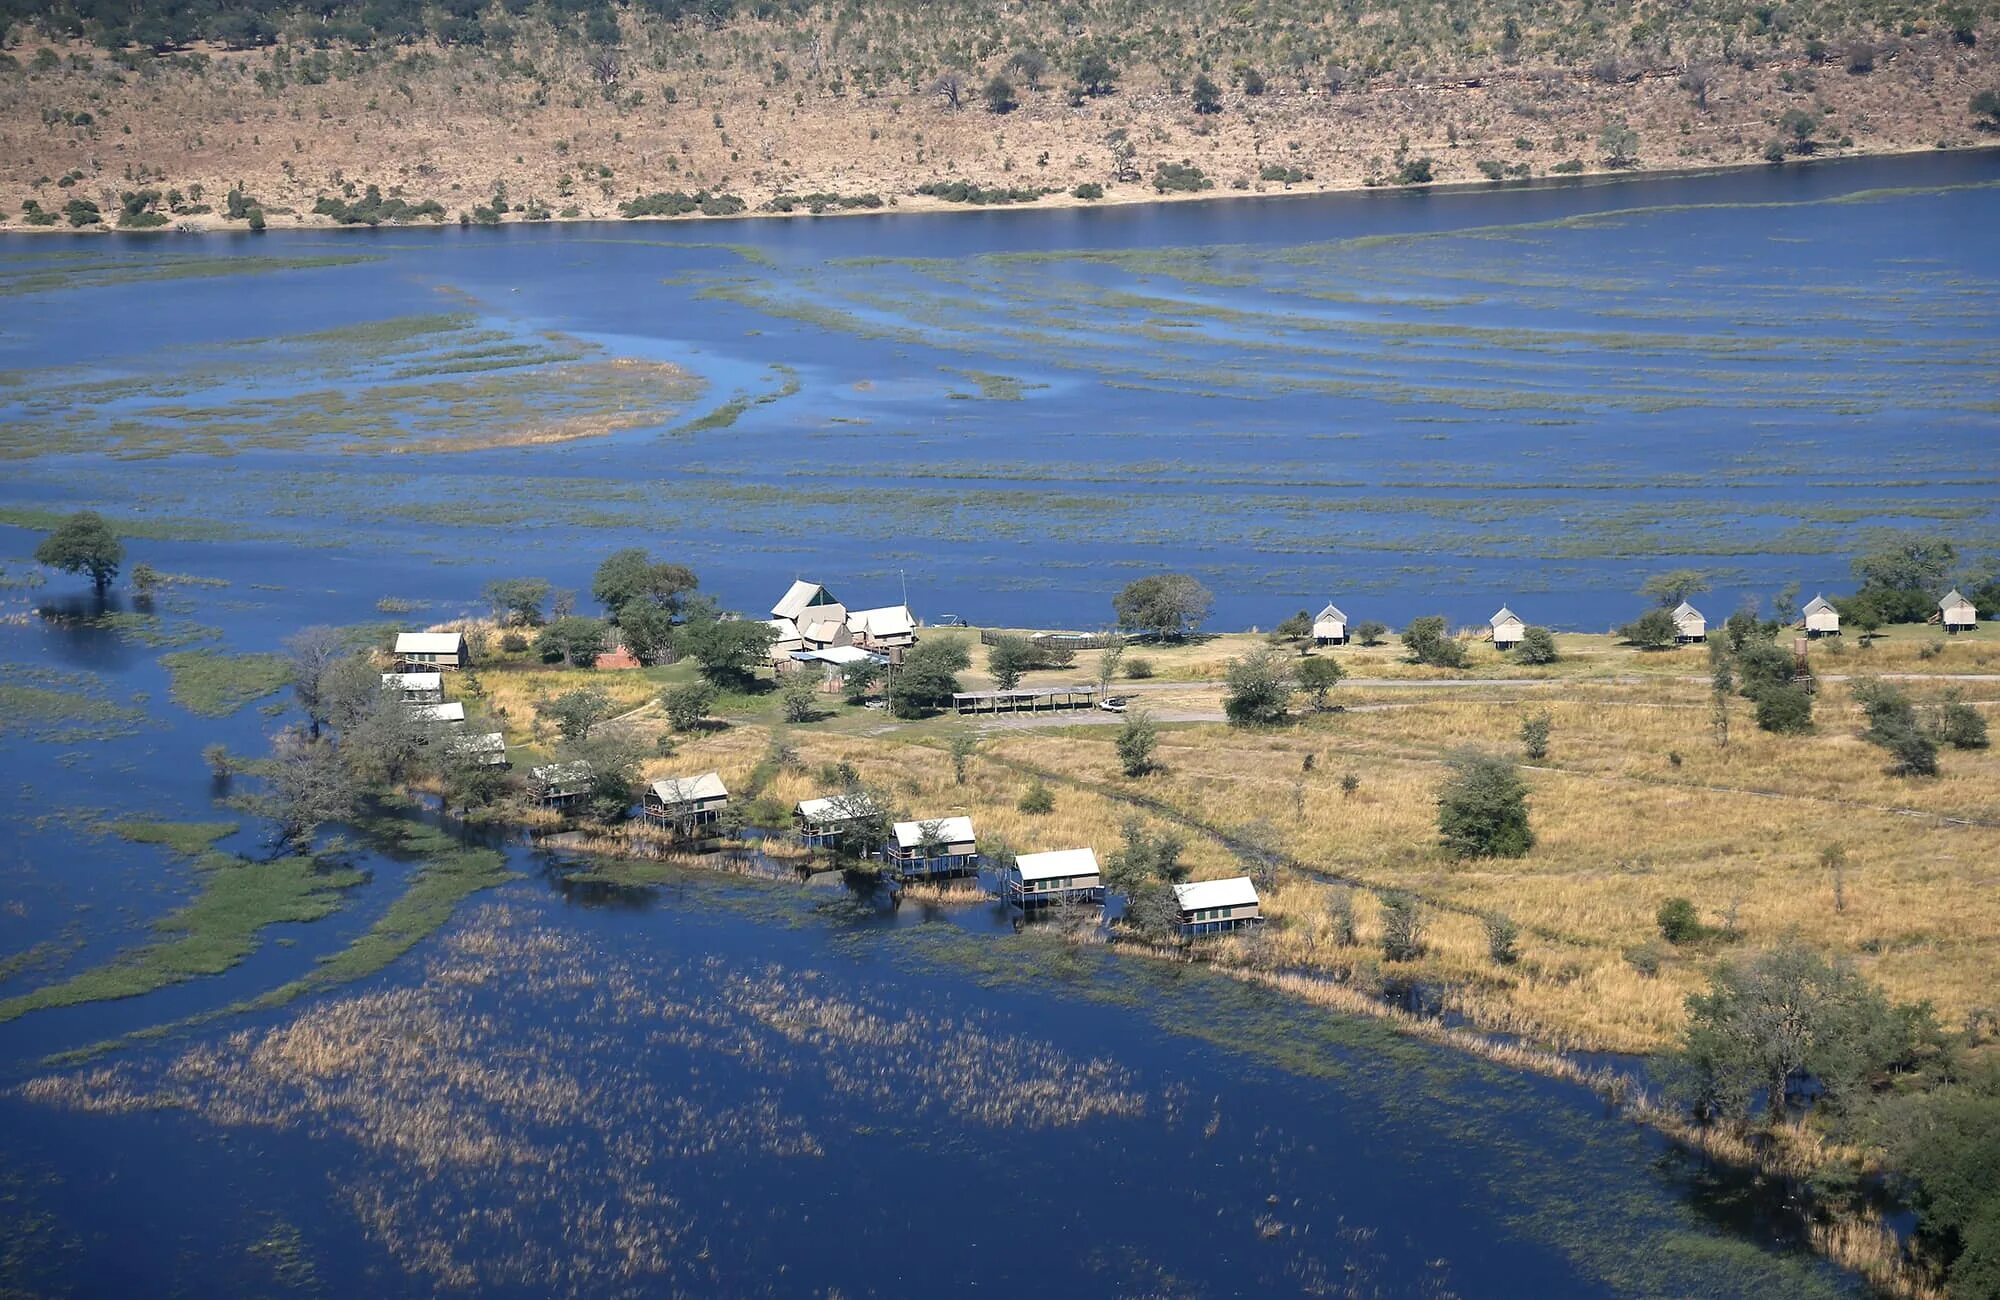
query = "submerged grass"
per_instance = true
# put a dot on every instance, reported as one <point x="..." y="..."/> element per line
<point x="215" y="684"/>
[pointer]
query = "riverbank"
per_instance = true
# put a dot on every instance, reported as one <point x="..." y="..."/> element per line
<point x="167" y="140"/>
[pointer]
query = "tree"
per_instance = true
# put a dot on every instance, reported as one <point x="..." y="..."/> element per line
<point x="1107" y="666"/>
<point x="1095" y="74"/>
<point x="1674" y="586"/>
<point x="1801" y="124"/>
<point x="1009" y="658"/>
<point x="614" y="758"/>
<point x="688" y="706"/>
<point x="1788" y="1018"/>
<point x="573" y="640"/>
<point x="306" y="786"/>
<point x="1207" y="95"/>
<point x="1503" y="938"/>
<point x="726" y="651"/>
<point x="1145" y="857"/>
<point x="1260" y="686"/>
<point x="1985" y="106"/>
<point x="1031" y="65"/>
<point x="1892" y="724"/>
<point x="83" y="543"/>
<point x="1696" y="81"/>
<point x="1947" y="1146"/>
<point x="1155" y="911"/>
<point x="1538" y="646"/>
<point x="1037" y="800"/>
<point x="517" y="602"/>
<point x="1169" y="605"/>
<point x="964" y="744"/>
<point x="1483" y="809"/>
<point x="1785" y="604"/>
<point x="1653" y="630"/>
<point x="1958" y="724"/>
<point x="950" y="87"/>
<point x="1784" y="710"/>
<point x="1370" y="632"/>
<point x="799" y="698"/>
<point x="647" y="631"/>
<point x="1340" y="917"/>
<point x="1403" y="926"/>
<point x="1428" y="642"/>
<point x="1137" y="741"/>
<point x="575" y="714"/>
<point x="310" y="654"/>
<point x="1317" y="677"/>
<point x="1000" y="95"/>
<point x="929" y="676"/>
<point x="1535" y="737"/>
<point x="1903" y="578"/>
<point x="1296" y="630"/>
<point x="630" y="576"/>
<point x="1861" y="612"/>
<point x="1621" y="143"/>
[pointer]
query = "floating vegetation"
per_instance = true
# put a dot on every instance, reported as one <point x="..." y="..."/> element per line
<point x="101" y="272"/>
<point x="215" y="684"/>
<point x="151" y="630"/>
<point x="61" y="708"/>
<point x="237" y="899"/>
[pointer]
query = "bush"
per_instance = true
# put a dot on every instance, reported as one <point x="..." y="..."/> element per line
<point x="688" y="706"/>
<point x="1414" y="171"/>
<point x="1180" y="177"/>
<point x="1370" y="632"/>
<point x="1088" y="190"/>
<point x="1784" y="710"/>
<point x="1955" y="723"/>
<point x="1538" y="646"/>
<point x="1317" y="677"/>
<point x="1679" y="922"/>
<point x="1402" y="927"/>
<point x="1137" y="741"/>
<point x="1483" y="809"/>
<point x="1138" y="670"/>
<point x="1653" y="630"/>
<point x="980" y="195"/>
<point x="1503" y="938"/>
<point x="1535" y="736"/>
<point x="1568" y="167"/>
<point x="1282" y="174"/>
<point x="674" y="203"/>
<point x="1038" y="799"/>
<point x="1260" y="686"/>
<point x="1428" y="642"/>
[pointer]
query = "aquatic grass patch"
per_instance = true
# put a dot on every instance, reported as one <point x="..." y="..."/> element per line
<point x="96" y="273"/>
<point x="64" y="715"/>
<point x="214" y="683"/>
<point x="189" y="839"/>
<point x="151" y="630"/>
<point x="237" y="899"/>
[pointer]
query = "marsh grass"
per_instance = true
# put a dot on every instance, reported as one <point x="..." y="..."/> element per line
<point x="215" y="684"/>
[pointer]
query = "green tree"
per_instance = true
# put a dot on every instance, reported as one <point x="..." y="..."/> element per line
<point x="1503" y="938"/>
<point x="575" y="714"/>
<point x="647" y="631"/>
<point x="573" y="640"/>
<point x="688" y="706"/>
<point x="1095" y="74"/>
<point x="1787" y="1018"/>
<point x="1000" y="95"/>
<point x="1138" y="740"/>
<point x="631" y="575"/>
<point x="1784" y="710"/>
<point x="1946" y="1145"/>
<point x="1145" y="857"/>
<point x="1008" y="659"/>
<point x="517" y="602"/>
<point x="1904" y="578"/>
<point x="726" y="651"/>
<point x="1428" y="641"/>
<point x="929" y="676"/>
<point x="83" y="543"/>
<point x="964" y="744"/>
<point x="1296" y="631"/>
<point x="307" y="785"/>
<point x="1259" y="688"/>
<point x="1207" y="95"/>
<point x="1893" y="725"/>
<point x="1171" y="606"/>
<point x="1370" y="632"/>
<point x="1538" y="646"/>
<point x="1956" y="723"/>
<point x="1483" y="809"/>
<point x="1317" y="676"/>
<point x="1985" y="106"/>
<point x="1674" y="586"/>
<point x="1037" y="800"/>
<point x="1653" y="630"/>
<point x="798" y="698"/>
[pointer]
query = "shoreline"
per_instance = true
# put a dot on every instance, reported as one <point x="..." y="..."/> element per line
<point x="1063" y="201"/>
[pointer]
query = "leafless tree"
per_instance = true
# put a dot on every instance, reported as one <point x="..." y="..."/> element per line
<point x="312" y="652"/>
<point x="950" y="87"/>
<point x="1696" y="80"/>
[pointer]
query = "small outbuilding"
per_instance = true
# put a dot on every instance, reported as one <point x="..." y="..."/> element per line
<point x="1689" y="625"/>
<point x="421" y="651"/>
<point x="1819" y="618"/>
<point x="487" y="749"/>
<point x="833" y="664"/>
<point x="416" y="688"/>
<point x="559" y="785"/>
<point x="1217" y="906"/>
<point x="1330" y="627"/>
<point x="686" y="803"/>
<point x="1508" y="629"/>
<point x="1957" y="613"/>
<point x="1062" y="876"/>
<point x="821" y="822"/>
<point x="941" y="846"/>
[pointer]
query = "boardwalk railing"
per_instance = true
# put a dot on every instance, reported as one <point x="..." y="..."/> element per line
<point x="1074" y="640"/>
